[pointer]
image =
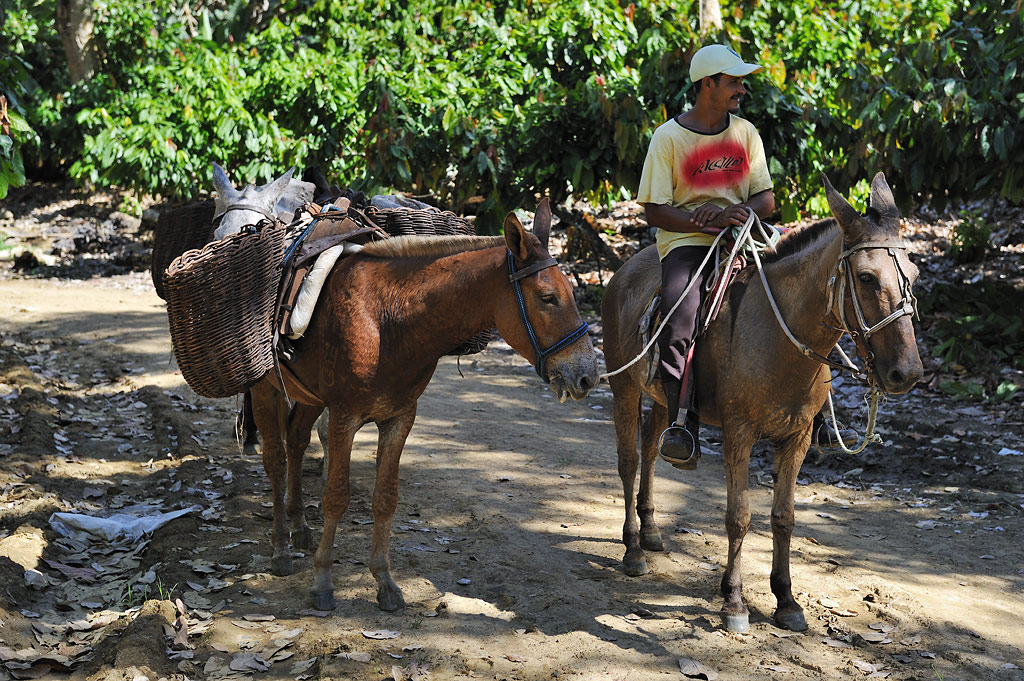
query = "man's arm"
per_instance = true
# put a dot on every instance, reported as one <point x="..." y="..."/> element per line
<point x="670" y="218"/>
<point x="762" y="203"/>
<point x="708" y="218"/>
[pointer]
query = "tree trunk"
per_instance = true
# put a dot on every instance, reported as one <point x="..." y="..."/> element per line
<point x="75" y="26"/>
<point x="710" y="16"/>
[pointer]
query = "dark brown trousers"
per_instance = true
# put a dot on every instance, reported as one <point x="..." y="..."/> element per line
<point x="675" y="343"/>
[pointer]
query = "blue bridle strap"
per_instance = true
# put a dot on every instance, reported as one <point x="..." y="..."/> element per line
<point x="514" y="276"/>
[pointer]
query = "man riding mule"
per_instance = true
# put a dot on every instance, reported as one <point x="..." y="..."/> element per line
<point x="705" y="169"/>
<point x="764" y="371"/>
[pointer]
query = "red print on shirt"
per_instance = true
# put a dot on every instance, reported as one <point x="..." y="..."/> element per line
<point x="716" y="165"/>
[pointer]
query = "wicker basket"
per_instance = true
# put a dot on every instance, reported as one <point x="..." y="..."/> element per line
<point x="220" y="306"/>
<point x="408" y="221"/>
<point x="178" y="230"/>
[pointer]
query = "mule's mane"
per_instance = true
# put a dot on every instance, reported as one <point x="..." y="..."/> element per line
<point x="429" y="246"/>
<point x="796" y="240"/>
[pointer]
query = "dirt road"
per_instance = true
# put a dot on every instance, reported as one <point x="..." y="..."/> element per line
<point x="907" y="560"/>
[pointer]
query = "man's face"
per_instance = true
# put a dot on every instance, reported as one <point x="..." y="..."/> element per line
<point x="728" y="92"/>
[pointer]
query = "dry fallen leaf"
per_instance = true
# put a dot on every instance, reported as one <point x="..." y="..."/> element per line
<point x="259" y="618"/>
<point x="786" y="634"/>
<point x="868" y="667"/>
<point x="303" y="669"/>
<point x="381" y="634"/>
<point x="355" y="657"/>
<point x="875" y="637"/>
<point x="696" y="670"/>
<point x="842" y="613"/>
<point x="248" y="662"/>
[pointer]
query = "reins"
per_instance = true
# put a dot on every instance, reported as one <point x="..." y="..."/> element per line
<point x="515" y="276"/>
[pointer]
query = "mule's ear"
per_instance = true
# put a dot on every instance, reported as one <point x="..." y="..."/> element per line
<point x="882" y="200"/>
<point x="221" y="182"/>
<point x="542" y="222"/>
<point x="846" y="214"/>
<point x="275" y="189"/>
<point x="515" y="237"/>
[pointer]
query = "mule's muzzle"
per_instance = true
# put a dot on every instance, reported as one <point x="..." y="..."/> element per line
<point x="901" y="377"/>
<point x="576" y="376"/>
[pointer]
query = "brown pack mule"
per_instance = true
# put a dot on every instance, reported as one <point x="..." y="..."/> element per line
<point x="387" y="315"/>
<point x="755" y="383"/>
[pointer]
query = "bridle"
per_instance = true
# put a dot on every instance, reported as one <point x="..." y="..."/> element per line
<point x="245" y="206"/>
<point x="541" y="356"/>
<point x="842" y="283"/>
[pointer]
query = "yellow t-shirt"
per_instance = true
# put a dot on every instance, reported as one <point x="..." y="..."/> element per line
<point x="687" y="169"/>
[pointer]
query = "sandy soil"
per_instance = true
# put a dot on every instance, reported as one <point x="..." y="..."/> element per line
<point x="906" y="558"/>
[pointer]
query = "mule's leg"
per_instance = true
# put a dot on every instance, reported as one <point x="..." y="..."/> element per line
<point x="789" y="455"/>
<point x="335" y="500"/>
<point x="736" y="445"/>
<point x="270" y="414"/>
<point x="300" y="424"/>
<point x="626" y="413"/>
<point x="653" y="426"/>
<point x="321" y="433"/>
<point x="246" y="425"/>
<point x="390" y="442"/>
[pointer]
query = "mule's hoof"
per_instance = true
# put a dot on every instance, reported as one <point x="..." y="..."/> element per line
<point x="792" y="620"/>
<point x="250" y="449"/>
<point x="736" y="623"/>
<point x="302" y="539"/>
<point x="281" y="566"/>
<point x="635" y="567"/>
<point x="390" y="600"/>
<point x="324" y="600"/>
<point x="651" y="541"/>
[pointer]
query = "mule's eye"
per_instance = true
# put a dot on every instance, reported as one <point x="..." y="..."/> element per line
<point x="866" y="278"/>
<point x="549" y="299"/>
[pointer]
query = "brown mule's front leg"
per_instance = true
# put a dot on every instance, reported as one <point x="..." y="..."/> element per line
<point x="269" y="412"/>
<point x="300" y="424"/>
<point x="788" y="458"/>
<point x="626" y="411"/>
<point x="335" y="500"/>
<point x="390" y="442"/>
<point x="736" y="450"/>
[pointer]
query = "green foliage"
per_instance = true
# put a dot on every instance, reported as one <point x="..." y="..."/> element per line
<point x="15" y="82"/>
<point x="972" y="390"/>
<point x="942" y="112"/>
<point x="1005" y="391"/>
<point x="970" y="237"/>
<point x="968" y="390"/>
<point x="12" y="167"/>
<point x="974" y="325"/>
<point x="509" y="98"/>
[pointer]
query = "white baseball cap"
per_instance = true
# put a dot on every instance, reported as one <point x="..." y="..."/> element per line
<point x="712" y="59"/>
